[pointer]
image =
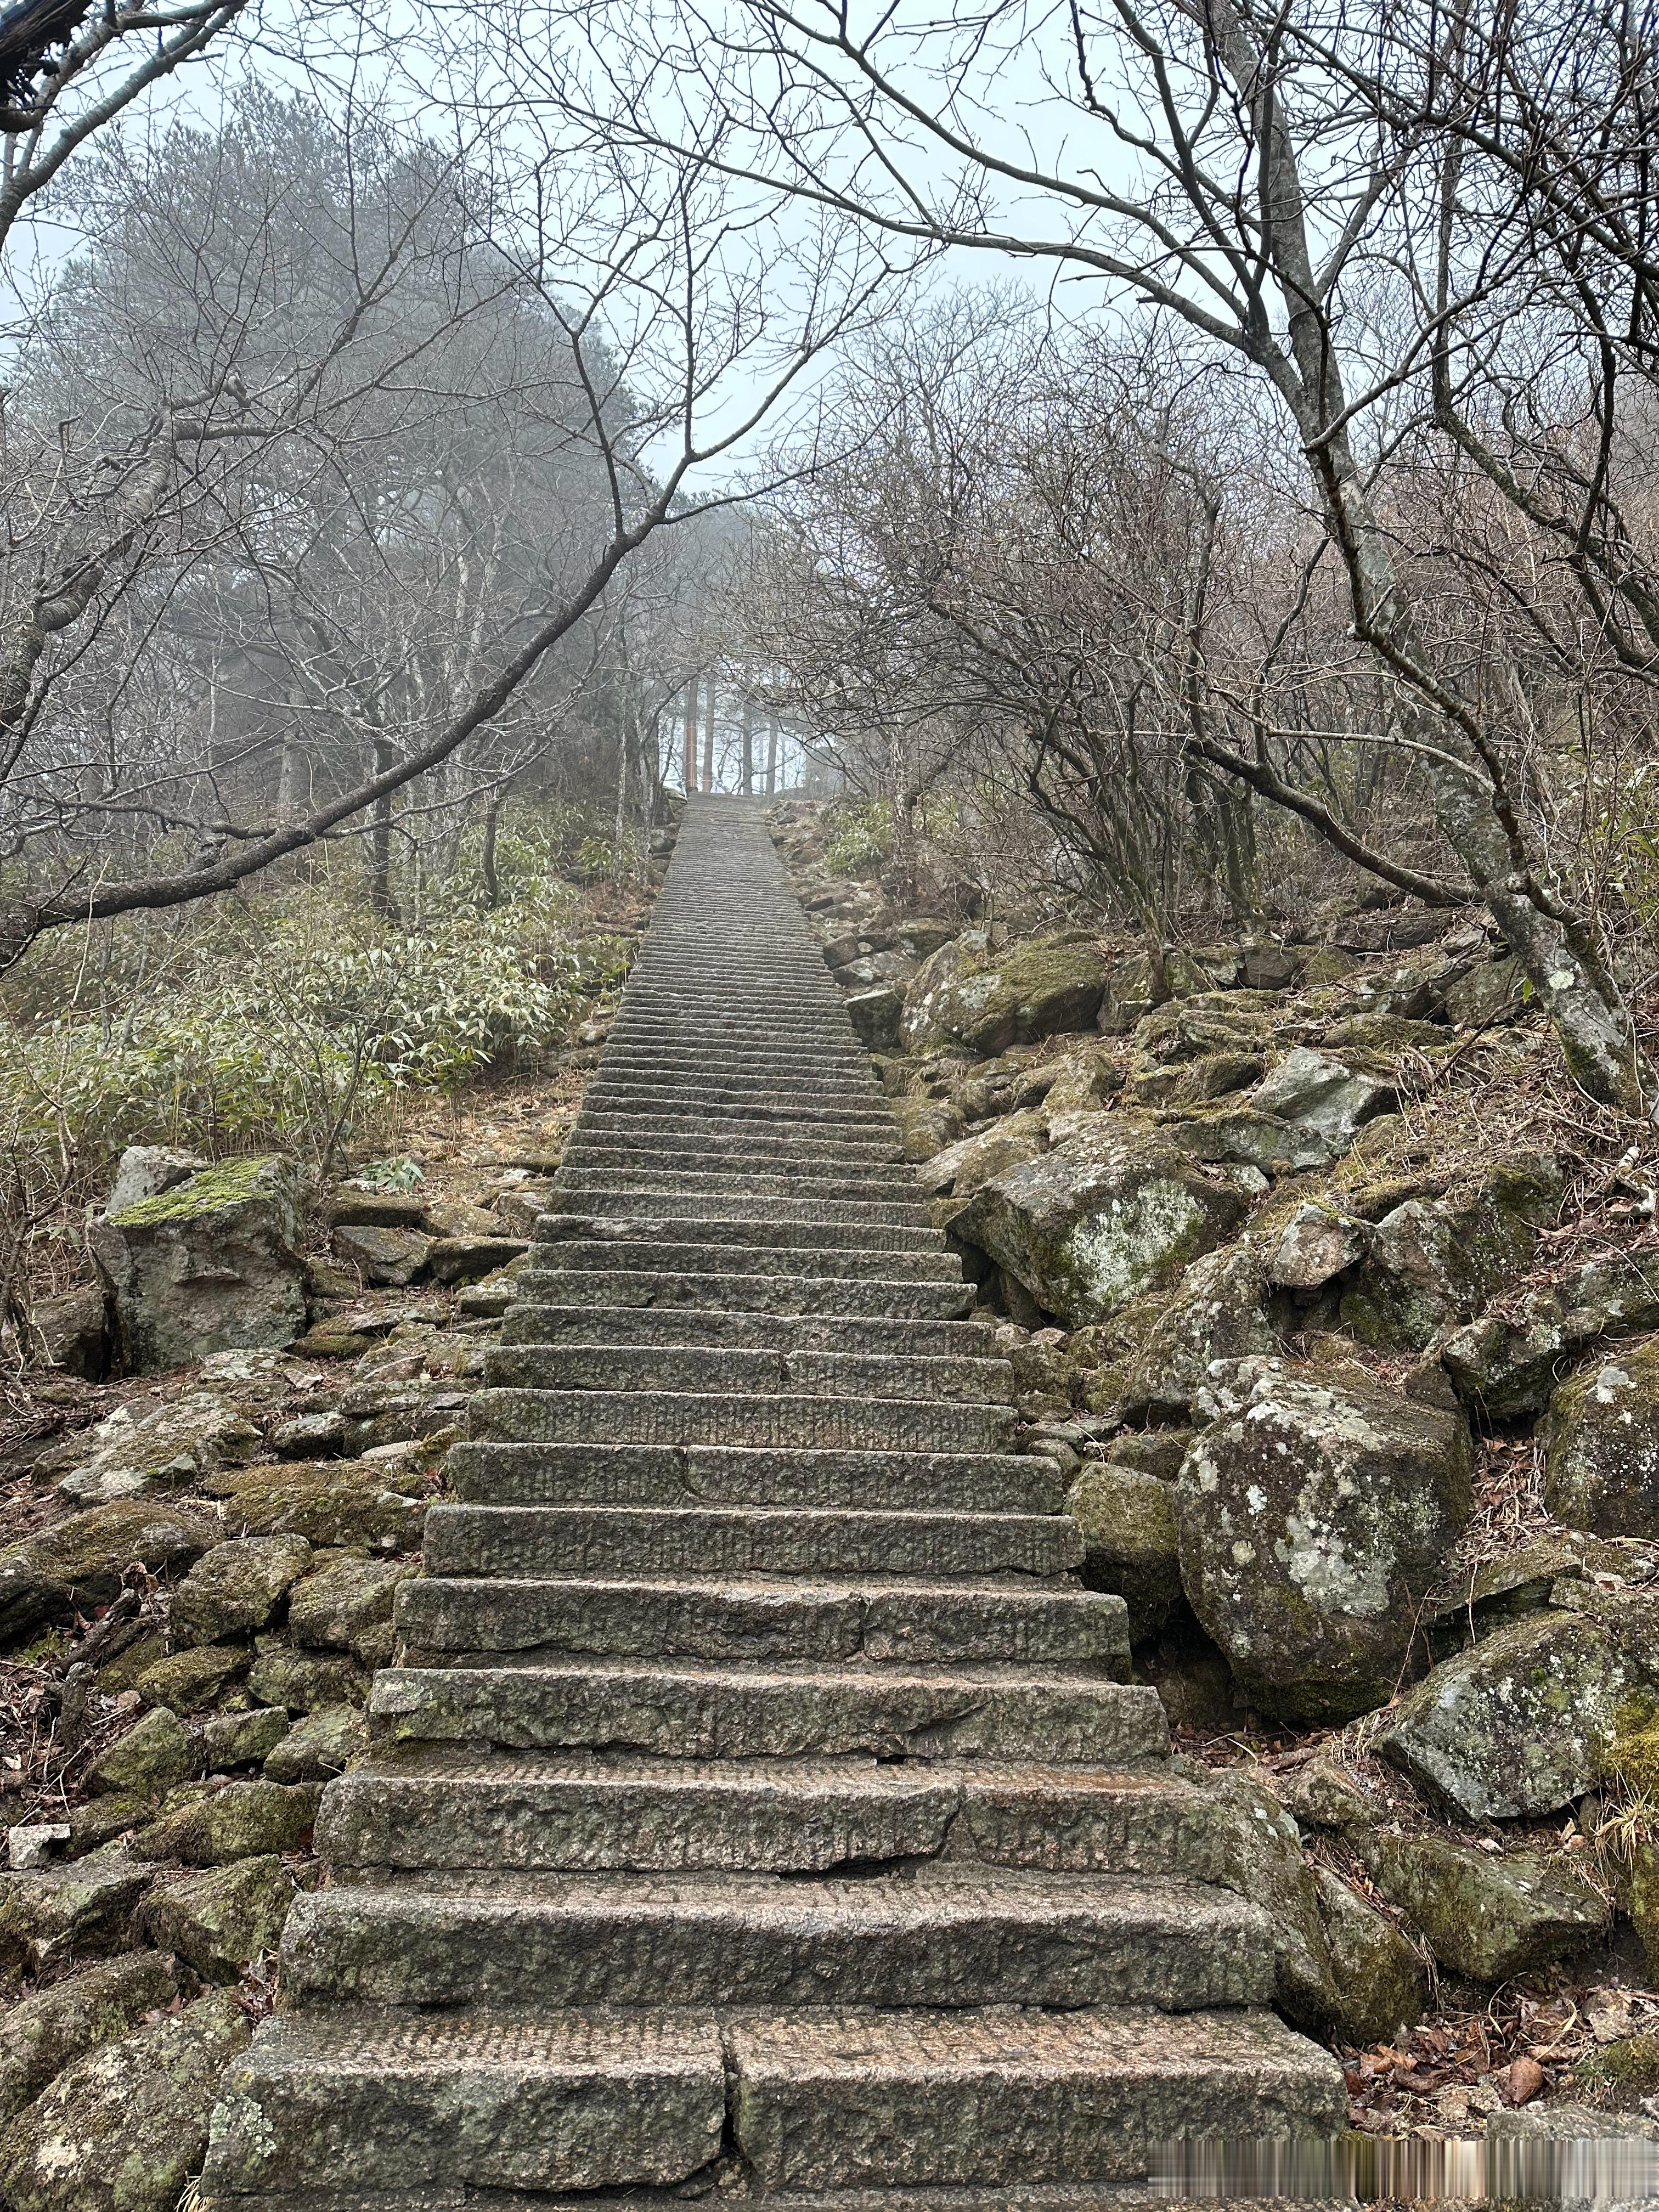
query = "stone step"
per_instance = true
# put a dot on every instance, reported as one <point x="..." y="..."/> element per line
<point x="633" y="1172"/>
<point x="819" y="2099"/>
<point x="684" y="1417"/>
<point x="952" y="1938"/>
<point x="690" y="1709"/>
<point x="652" y="1112"/>
<point x="848" y="1063"/>
<point x="751" y="1226"/>
<point x="861" y="1095"/>
<point x="765" y="1154"/>
<point x="678" y="1199"/>
<point x="420" y="1808"/>
<point x="652" y="1540"/>
<point x="536" y="2100"/>
<point x="774" y="1291"/>
<point x="634" y="1255"/>
<point x="618" y="1366"/>
<point x="826" y="2099"/>
<point x="882" y="1622"/>
<point x="742" y="1475"/>
<point x="682" y="1326"/>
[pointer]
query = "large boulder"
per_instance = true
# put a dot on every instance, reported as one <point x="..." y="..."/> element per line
<point x="147" y="1761"/>
<point x="1517" y="1726"/>
<point x="1431" y="1263"/>
<point x="209" y="1264"/>
<point x="1380" y="1979"/>
<point x="1484" y="1915"/>
<point x="347" y="1606"/>
<point x="43" y="2034"/>
<point x="1602" y="1446"/>
<point x="967" y="995"/>
<point x="1099" y="1220"/>
<point x="1314" y="1516"/>
<point x="217" y="1921"/>
<point x="123" y="2128"/>
<point x="962" y="1168"/>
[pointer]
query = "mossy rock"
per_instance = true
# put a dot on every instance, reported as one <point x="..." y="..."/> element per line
<point x="1487" y="1916"/>
<point x="123" y="2128"/>
<point x="233" y="1739"/>
<point x="1218" y="1312"/>
<point x="322" y="1745"/>
<point x="925" y="1126"/>
<point x="236" y="1588"/>
<point x="962" y="1167"/>
<point x="55" y="1911"/>
<point x="243" y="1820"/>
<point x="46" y="2032"/>
<point x="303" y="1680"/>
<point x="349" y="1502"/>
<point x="989" y="1002"/>
<point x="187" y="1681"/>
<point x="1625" y="2072"/>
<point x="1129" y="1543"/>
<point x="147" y="1761"/>
<point x="80" y="1562"/>
<point x="1602" y="1445"/>
<point x="232" y="1183"/>
<point x="219" y="1921"/>
<point x="1434" y="1263"/>
<point x="1381" y="1980"/>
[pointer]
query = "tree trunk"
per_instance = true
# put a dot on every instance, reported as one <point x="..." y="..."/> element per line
<point x="772" y="756"/>
<point x="381" y="900"/>
<point x="747" y="783"/>
<point x="708" y="741"/>
<point x="691" y="739"/>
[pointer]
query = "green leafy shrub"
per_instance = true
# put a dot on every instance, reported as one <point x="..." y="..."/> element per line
<point x="861" y="839"/>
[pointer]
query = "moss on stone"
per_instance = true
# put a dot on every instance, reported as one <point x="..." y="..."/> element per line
<point x="232" y="1183"/>
<point x="1624" y="2072"/>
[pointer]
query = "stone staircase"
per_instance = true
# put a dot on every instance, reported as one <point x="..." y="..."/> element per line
<point x="759" y="1813"/>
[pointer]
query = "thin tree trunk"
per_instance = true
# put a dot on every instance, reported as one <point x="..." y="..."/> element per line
<point x="772" y="757"/>
<point x="691" y="739"/>
<point x="708" y="741"/>
<point x="748" y="770"/>
<point x="381" y="900"/>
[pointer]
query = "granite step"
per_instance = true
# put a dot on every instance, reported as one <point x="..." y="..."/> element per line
<point x="684" y="1417"/>
<point x="420" y="1808"/>
<point x="879" y="1620"/>
<point x="825" y="1296"/>
<point x="951" y="1938"/>
<point x="752" y="1476"/>
<point x="636" y="1172"/>
<point x="715" y="1329"/>
<point x="739" y="1540"/>
<point x="680" y="1199"/>
<point x="710" y="1709"/>
<point x="620" y="1366"/>
<point x="752" y="1225"/>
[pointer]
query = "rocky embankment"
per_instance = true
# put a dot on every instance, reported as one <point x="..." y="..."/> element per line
<point x="1338" y="1309"/>
<point x="198" y="1584"/>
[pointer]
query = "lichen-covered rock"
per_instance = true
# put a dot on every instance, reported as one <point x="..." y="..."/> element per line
<point x="1132" y="988"/>
<point x="469" y="1259"/>
<point x="330" y="1503"/>
<point x="56" y="1912"/>
<point x="233" y="1740"/>
<point x="243" y="1820"/>
<point x="1484" y="994"/>
<point x="1128" y="1525"/>
<point x="1321" y="1094"/>
<point x="1324" y="1794"/>
<point x="187" y="1681"/>
<point x="968" y="995"/>
<point x="1516" y="1583"/>
<point x="43" y="2034"/>
<point x="1091" y="1225"/>
<point x="1516" y="1727"/>
<point x="302" y="1681"/>
<point x="347" y="1606"/>
<point x="1432" y="1264"/>
<point x="166" y="1449"/>
<point x="1381" y="1982"/>
<point x="1485" y="1915"/>
<point x="218" y="1921"/>
<point x="1602" y="1446"/>
<point x="1219" y="1312"/>
<point x="349" y="1207"/>
<point x="236" y="1588"/>
<point x="1248" y="1138"/>
<point x="147" y="1761"/>
<point x="124" y="2128"/>
<point x="962" y="1168"/>
<point x="81" y="1560"/>
<point x="1313" y="1520"/>
<point x="322" y="1745"/>
<point x="211" y="1263"/>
